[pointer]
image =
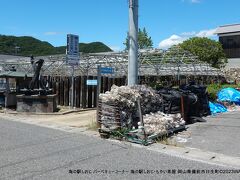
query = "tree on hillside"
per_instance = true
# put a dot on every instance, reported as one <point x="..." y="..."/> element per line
<point x="144" y="41"/>
<point x="27" y="46"/>
<point x="207" y="50"/>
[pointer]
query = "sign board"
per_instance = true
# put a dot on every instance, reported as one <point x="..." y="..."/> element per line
<point x="107" y="70"/>
<point x="92" y="82"/>
<point x="72" y="50"/>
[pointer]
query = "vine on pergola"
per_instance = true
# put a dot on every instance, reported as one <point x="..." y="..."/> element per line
<point x="152" y="62"/>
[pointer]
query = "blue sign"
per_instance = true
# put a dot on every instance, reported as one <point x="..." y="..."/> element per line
<point x="92" y="82"/>
<point x="107" y="70"/>
<point x="72" y="49"/>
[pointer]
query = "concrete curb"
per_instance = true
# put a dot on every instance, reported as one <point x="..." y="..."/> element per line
<point x="188" y="153"/>
<point x="198" y="154"/>
<point x="55" y="113"/>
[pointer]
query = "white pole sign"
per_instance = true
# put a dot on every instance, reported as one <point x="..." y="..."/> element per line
<point x="72" y="50"/>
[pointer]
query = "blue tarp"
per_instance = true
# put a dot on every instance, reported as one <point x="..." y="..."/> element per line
<point x="217" y="108"/>
<point x="229" y="94"/>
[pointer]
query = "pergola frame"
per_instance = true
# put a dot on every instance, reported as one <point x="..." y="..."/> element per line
<point x="153" y="62"/>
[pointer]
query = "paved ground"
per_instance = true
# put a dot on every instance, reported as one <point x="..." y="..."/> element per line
<point x="220" y="134"/>
<point x="82" y="119"/>
<point x="33" y="152"/>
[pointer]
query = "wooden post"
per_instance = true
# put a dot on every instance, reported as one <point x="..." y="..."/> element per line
<point x="84" y="90"/>
<point x="72" y="87"/>
<point x="109" y="83"/>
<point x="77" y="91"/>
<point x="90" y="89"/>
<point x="101" y="88"/>
<point x="96" y="91"/>
<point x="104" y="82"/>
<point x="115" y="81"/>
<point x="56" y="87"/>
<point x="61" y="91"/>
<point x="66" y="92"/>
<point x="123" y="81"/>
<point x="182" y="107"/>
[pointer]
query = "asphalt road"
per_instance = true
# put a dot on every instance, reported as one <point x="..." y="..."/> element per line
<point x="219" y="134"/>
<point x="33" y="152"/>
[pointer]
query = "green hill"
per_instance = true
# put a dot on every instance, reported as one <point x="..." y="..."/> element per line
<point x="27" y="46"/>
<point x="93" y="47"/>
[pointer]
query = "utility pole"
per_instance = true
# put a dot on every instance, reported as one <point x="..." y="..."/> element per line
<point x="133" y="43"/>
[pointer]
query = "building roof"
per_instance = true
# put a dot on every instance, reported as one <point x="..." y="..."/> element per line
<point x="231" y="28"/>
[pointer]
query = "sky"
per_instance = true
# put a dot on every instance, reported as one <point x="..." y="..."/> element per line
<point x="168" y="22"/>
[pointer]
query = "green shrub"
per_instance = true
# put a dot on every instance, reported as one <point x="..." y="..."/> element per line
<point x="213" y="89"/>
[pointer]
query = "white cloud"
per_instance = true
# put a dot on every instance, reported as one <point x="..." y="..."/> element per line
<point x="173" y="40"/>
<point x="188" y="33"/>
<point x="177" y="39"/>
<point x="206" y="33"/>
<point x="51" y="33"/>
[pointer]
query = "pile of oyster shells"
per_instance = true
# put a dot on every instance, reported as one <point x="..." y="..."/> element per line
<point x="150" y="100"/>
<point x="160" y="123"/>
<point x="232" y="74"/>
<point x="125" y="97"/>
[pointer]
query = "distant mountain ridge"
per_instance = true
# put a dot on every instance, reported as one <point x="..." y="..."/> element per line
<point x="26" y="46"/>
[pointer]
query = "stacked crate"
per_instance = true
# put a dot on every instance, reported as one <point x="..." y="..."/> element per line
<point x="108" y="118"/>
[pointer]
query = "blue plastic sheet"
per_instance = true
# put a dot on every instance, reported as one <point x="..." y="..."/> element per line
<point x="229" y="94"/>
<point x="217" y="108"/>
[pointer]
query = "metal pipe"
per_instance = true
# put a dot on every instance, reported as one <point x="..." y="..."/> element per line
<point x="133" y="43"/>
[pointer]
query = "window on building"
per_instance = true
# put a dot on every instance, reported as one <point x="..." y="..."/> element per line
<point x="231" y="45"/>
